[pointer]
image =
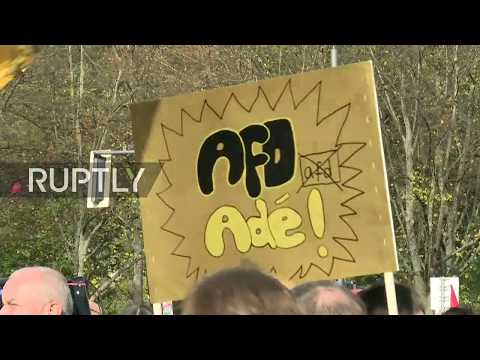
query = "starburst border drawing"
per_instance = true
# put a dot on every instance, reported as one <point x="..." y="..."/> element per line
<point x="316" y="90"/>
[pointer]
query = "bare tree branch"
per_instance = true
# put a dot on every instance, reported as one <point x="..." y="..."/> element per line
<point x="112" y="279"/>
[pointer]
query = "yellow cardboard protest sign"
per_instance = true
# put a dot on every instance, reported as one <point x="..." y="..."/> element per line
<point x="286" y="173"/>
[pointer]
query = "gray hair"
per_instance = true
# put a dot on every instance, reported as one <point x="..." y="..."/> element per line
<point x="300" y="290"/>
<point x="59" y="291"/>
<point x="327" y="298"/>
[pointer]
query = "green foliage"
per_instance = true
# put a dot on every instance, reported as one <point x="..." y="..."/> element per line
<point x="28" y="239"/>
<point x="470" y="287"/>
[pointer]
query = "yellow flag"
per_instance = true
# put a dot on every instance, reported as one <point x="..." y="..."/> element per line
<point x="13" y="59"/>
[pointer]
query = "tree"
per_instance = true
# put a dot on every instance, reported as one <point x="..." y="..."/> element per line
<point x="428" y="105"/>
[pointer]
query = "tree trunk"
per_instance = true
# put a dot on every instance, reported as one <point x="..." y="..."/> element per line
<point x="82" y="254"/>
<point x="137" y="288"/>
<point x="81" y="240"/>
<point x="418" y="279"/>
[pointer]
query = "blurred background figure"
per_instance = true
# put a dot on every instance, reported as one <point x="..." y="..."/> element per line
<point x="375" y="299"/>
<point x="95" y="309"/>
<point x="16" y="188"/>
<point x="463" y="310"/>
<point x="36" y="291"/>
<point x="356" y="291"/>
<point x="137" y="310"/>
<point x="327" y="298"/>
<point x="240" y="291"/>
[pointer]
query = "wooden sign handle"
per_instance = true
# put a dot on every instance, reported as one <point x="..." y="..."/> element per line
<point x="391" y="294"/>
<point x="165" y="308"/>
<point x="157" y="309"/>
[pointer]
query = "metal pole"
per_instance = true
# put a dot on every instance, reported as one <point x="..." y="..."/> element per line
<point x="333" y="55"/>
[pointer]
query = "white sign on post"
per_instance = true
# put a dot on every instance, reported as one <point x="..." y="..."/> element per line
<point x="444" y="293"/>
<point x="167" y="308"/>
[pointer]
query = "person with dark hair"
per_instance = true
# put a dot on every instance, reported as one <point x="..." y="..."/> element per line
<point x="327" y="298"/>
<point x="240" y="291"/>
<point x="177" y="307"/>
<point x="408" y="301"/>
<point x="463" y="310"/>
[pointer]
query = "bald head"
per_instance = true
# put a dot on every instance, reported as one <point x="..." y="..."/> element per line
<point x="330" y="299"/>
<point x="37" y="291"/>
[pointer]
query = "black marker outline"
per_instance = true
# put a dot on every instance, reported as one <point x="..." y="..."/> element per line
<point x="342" y="217"/>
<point x="261" y="92"/>
<point x="319" y="167"/>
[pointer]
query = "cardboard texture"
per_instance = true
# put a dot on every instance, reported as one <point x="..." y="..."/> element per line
<point x="287" y="174"/>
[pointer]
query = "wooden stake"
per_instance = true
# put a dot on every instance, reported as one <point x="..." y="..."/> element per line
<point x="165" y="308"/>
<point x="157" y="309"/>
<point x="391" y="294"/>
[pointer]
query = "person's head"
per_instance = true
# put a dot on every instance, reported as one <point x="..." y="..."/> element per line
<point x="459" y="311"/>
<point x="137" y="310"/>
<point x="328" y="298"/>
<point x="240" y="291"/>
<point x="300" y="290"/>
<point x="36" y="291"/>
<point x="408" y="301"/>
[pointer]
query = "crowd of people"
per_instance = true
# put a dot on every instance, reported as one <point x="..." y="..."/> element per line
<point x="236" y="291"/>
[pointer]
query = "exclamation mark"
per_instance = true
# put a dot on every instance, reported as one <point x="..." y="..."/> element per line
<point x="317" y="218"/>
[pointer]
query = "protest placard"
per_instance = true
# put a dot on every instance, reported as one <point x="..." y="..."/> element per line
<point x="286" y="173"/>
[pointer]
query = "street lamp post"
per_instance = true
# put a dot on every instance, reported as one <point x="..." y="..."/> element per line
<point x="333" y="56"/>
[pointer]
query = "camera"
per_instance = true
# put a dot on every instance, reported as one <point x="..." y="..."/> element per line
<point x="79" y="290"/>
